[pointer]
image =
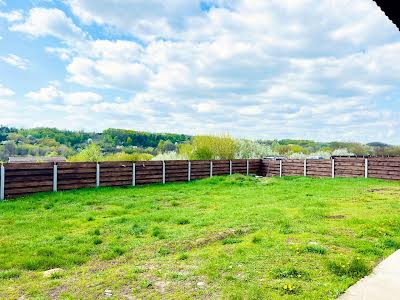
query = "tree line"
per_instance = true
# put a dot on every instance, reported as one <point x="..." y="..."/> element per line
<point x="120" y="144"/>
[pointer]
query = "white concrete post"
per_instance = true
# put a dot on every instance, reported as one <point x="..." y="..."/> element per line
<point x="211" y="168"/>
<point x="280" y="168"/>
<point x="189" y="169"/>
<point x="366" y="168"/>
<point x="247" y="167"/>
<point x="163" y="172"/>
<point x="230" y="167"/>
<point x="305" y="167"/>
<point x="55" y="177"/>
<point x="2" y="182"/>
<point x="133" y="174"/>
<point x="333" y="168"/>
<point x="97" y="175"/>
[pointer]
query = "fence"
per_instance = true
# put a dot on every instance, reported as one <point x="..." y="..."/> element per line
<point x="373" y="167"/>
<point x="27" y="178"/>
<point x="18" y="179"/>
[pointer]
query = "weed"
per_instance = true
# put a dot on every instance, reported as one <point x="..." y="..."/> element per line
<point x="232" y="240"/>
<point x="97" y="241"/>
<point x="183" y="221"/>
<point x="158" y="233"/>
<point x="317" y="249"/>
<point x="355" y="268"/>
<point x="10" y="274"/>
<point x="137" y="230"/>
<point x="164" y="251"/>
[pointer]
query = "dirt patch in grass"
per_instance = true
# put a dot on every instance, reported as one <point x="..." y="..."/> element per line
<point x="201" y="242"/>
<point x="336" y="217"/>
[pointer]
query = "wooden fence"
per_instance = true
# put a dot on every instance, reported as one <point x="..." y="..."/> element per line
<point x="372" y="167"/>
<point x="18" y="179"/>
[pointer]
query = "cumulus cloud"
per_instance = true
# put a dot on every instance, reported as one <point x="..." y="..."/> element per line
<point x="255" y="68"/>
<point x="49" y="22"/>
<point x="16" y="61"/>
<point x="52" y="93"/>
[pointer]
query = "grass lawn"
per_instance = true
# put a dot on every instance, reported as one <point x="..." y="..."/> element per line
<point x="220" y="238"/>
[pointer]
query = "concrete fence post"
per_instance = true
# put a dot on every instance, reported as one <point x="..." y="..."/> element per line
<point x="230" y="167"/>
<point x="163" y="172"/>
<point x="97" y="175"/>
<point x="133" y="174"/>
<point x="305" y="168"/>
<point x="366" y="168"/>
<point x="189" y="170"/>
<point x="2" y="181"/>
<point x="333" y="168"/>
<point x="55" y="177"/>
<point x="247" y="167"/>
<point x="211" y="168"/>
<point x="280" y="168"/>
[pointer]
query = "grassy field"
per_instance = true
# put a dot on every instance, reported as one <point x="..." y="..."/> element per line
<point x="220" y="238"/>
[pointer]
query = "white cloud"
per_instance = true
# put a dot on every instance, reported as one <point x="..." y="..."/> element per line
<point x="49" y="22"/>
<point x="52" y="93"/>
<point x="255" y="68"/>
<point x="206" y="107"/>
<point x="80" y="98"/>
<point x="16" y="61"/>
<point x="6" y="92"/>
<point x="47" y="94"/>
<point x="148" y="19"/>
<point x="11" y="16"/>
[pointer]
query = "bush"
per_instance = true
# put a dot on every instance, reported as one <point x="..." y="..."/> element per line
<point x="92" y="153"/>
<point x="209" y="147"/>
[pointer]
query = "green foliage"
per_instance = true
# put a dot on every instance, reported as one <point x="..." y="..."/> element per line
<point x="315" y="249"/>
<point x="121" y="137"/>
<point x="205" y="147"/>
<point x="92" y="153"/>
<point x="355" y="268"/>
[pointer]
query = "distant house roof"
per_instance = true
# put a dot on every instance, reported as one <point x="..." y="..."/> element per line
<point x="35" y="159"/>
<point x="389" y="7"/>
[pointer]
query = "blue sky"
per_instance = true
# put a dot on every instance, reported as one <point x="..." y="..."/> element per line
<point x="324" y="70"/>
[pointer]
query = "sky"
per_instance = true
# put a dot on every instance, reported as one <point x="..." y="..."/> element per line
<point x="306" y="69"/>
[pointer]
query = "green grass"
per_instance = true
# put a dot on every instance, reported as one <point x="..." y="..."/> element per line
<point x="220" y="238"/>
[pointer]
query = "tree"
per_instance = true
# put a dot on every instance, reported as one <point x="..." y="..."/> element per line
<point x="92" y="153"/>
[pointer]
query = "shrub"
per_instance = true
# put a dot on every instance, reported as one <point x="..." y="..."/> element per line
<point x="209" y="147"/>
<point x="92" y="153"/>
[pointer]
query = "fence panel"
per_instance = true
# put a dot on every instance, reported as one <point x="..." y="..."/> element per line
<point x="116" y="173"/>
<point x="200" y="169"/>
<point x="384" y="168"/>
<point x="76" y="175"/>
<point x="292" y="167"/>
<point x="24" y="179"/>
<point x="176" y="170"/>
<point x="349" y="167"/>
<point x="149" y="172"/>
<point x="319" y="167"/>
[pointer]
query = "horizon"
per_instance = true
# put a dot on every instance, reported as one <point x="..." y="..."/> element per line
<point x="251" y="69"/>
<point x="180" y="133"/>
